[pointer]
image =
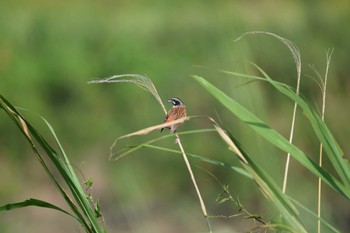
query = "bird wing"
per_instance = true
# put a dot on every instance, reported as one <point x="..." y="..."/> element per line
<point x="175" y="113"/>
<point x="166" y="118"/>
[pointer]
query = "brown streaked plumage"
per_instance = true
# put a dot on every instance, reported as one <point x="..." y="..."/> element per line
<point x="176" y="112"/>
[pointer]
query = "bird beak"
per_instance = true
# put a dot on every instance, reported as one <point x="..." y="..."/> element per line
<point x="170" y="101"/>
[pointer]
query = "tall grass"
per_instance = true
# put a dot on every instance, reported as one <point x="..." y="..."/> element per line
<point x="82" y="208"/>
<point x="287" y="207"/>
<point x="327" y="141"/>
<point x="289" y="220"/>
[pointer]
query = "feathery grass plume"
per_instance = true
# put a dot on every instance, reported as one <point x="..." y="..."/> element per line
<point x="292" y="47"/>
<point x="297" y="59"/>
<point x="137" y="79"/>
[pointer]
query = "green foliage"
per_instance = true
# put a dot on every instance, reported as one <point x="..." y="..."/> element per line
<point x="278" y="140"/>
<point x="267" y="185"/>
<point x="49" y="50"/>
<point x="291" y="220"/>
<point x="83" y="212"/>
<point x="87" y="211"/>
<point x="34" y="202"/>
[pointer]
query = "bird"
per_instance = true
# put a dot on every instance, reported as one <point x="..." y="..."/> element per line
<point x="176" y="112"/>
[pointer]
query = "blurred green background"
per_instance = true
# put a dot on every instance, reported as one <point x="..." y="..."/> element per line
<point x="49" y="50"/>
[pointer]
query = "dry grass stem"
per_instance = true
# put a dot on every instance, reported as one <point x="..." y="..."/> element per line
<point x="188" y="165"/>
<point x="324" y="89"/>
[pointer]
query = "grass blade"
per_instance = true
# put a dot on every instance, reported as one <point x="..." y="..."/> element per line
<point x="266" y="184"/>
<point x="321" y="130"/>
<point x="30" y="134"/>
<point x="74" y="183"/>
<point x="37" y="203"/>
<point x="330" y="145"/>
<point x="329" y="226"/>
<point x="273" y="136"/>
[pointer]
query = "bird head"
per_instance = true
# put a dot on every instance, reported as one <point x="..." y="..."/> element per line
<point x="175" y="101"/>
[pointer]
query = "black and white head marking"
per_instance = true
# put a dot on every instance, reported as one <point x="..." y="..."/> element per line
<point x="176" y="101"/>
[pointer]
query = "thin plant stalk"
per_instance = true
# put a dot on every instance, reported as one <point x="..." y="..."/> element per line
<point x="188" y="165"/>
<point x="290" y="141"/>
<point x="324" y="89"/>
<point x="319" y="198"/>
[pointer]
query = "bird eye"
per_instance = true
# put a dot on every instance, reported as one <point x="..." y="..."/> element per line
<point x="175" y="101"/>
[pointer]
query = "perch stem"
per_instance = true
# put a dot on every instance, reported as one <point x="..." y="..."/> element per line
<point x="204" y="210"/>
